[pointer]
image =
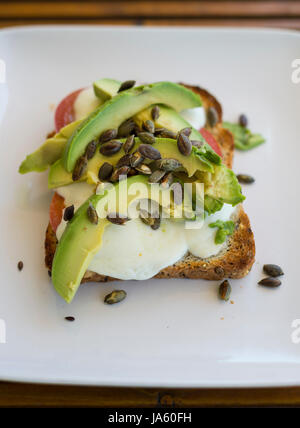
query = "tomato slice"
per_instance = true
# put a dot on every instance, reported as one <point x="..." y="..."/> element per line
<point x="56" y="210"/>
<point x="64" y="113"/>
<point x="210" y="139"/>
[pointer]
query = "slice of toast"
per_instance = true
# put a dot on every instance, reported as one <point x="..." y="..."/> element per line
<point x="235" y="261"/>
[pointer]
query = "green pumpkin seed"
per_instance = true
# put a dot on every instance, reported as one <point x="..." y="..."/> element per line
<point x="92" y="214"/>
<point x="165" y="133"/>
<point x="126" y="128"/>
<point x="245" y="179"/>
<point x="168" y="164"/>
<point x="243" y="120"/>
<point x="144" y="169"/>
<point x="116" y="218"/>
<point x="167" y="180"/>
<point x="91" y="150"/>
<point x="105" y="171"/>
<point x="149" y="152"/>
<point x="155" y="113"/>
<point x="108" y="135"/>
<point x="136" y="159"/>
<point x="124" y="161"/>
<point x="156" y="176"/>
<point x="184" y="144"/>
<point x="69" y="213"/>
<point x="128" y="84"/>
<point x="146" y="137"/>
<point x="212" y="117"/>
<point x="273" y="270"/>
<point x="129" y="143"/>
<point x="270" y="282"/>
<point x="146" y="218"/>
<point x="148" y="126"/>
<point x="186" y="131"/>
<point x="225" y="290"/>
<point x="120" y="174"/>
<point x="115" y="296"/>
<point x="110" y="148"/>
<point x="79" y="168"/>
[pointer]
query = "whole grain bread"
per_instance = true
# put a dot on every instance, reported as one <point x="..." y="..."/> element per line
<point x="235" y="261"/>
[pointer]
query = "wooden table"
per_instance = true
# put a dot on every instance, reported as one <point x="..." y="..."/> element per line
<point x="280" y="14"/>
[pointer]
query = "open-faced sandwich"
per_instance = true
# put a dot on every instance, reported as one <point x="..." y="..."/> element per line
<point x="143" y="187"/>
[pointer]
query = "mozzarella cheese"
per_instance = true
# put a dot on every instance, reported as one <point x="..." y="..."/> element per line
<point x="135" y="251"/>
<point x="195" y="116"/>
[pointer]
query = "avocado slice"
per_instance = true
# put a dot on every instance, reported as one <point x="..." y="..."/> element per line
<point x="82" y="239"/>
<point x="121" y="107"/>
<point x="58" y="176"/>
<point x="106" y="88"/>
<point x="49" y="152"/>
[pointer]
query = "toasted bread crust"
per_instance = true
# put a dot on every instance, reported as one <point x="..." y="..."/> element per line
<point x="238" y="258"/>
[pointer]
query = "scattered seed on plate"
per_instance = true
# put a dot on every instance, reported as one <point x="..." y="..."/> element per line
<point x="70" y="319"/>
<point x="110" y="148"/>
<point x="146" y="137"/>
<point x="20" y="265"/>
<point x="155" y="113"/>
<point x="149" y="152"/>
<point x="225" y="290"/>
<point x="184" y="144"/>
<point x="108" y="135"/>
<point x="166" y="133"/>
<point x="128" y="145"/>
<point x="124" y="160"/>
<point x="270" y="282"/>
<point x="69" y="213"/>
<point x="79" y="168"/>
<point x="126" y="128"/>
<point x="128" y="84"/>
<point x="115" y="296"/>
<point x="273" y="270"/>
<point x="245" y="179"/>
<point x="212" y="117"/>
<point x="105" y="171"/>
<point x="243" y="120"/>
<point x="92" y="214"/>
<point x="91" y="150"/>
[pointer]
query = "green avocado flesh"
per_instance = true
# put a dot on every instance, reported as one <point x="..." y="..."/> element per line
<point x="106" y="88"/>
<point x="244" y="139"/>
<point x="58" y="176"/>
<point x="49" y="152"/>
<point x="82" y="239"/>
<point x="121" y="107"/>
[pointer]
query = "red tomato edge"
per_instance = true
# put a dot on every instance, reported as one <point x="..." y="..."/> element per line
<point x="56" y="210"/>
<point x="210" y="139"/>
<point x="64" y="113"/>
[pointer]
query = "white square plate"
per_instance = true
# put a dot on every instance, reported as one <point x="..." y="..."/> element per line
<point x="167" y="332"/>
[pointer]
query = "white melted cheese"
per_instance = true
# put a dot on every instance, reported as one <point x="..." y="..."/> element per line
<point x="85" y="103"/>
<point x="135" y="251"/>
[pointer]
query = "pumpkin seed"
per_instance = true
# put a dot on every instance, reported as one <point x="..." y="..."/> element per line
<point x="168" y="164"/>
<point x="105" y="171"/>
<point x="184" y="145"/>
<point x="186" y="131"/>
<point x="136" y="159"/>
<point x="20" y="265"/>
<point x="129" y="143"/>
<point x="116" y="218"/>
<point x="126" y="128"/>
<point x="120" y="173"/>
<point x="166" y="133"/>
<point x="177" y="193"/>
<point x="270" y="282"/>
<point x="71" y="319"/>
<point x="115" y="296"/>
<point x="144" y="169"/>
<point x="91" y="150"/>
<point x="245" y="179"/>
<point x="128" y="84"/>
<point x="146" y="218"/>
<point x="198" y="144"/>
<point x="156" y="176"/>
<point x="225" y="290"/>
<point x="212" y="117"/>
<point x="124" y="161"/>
<point x="273" y="270"/>
<point x="92" y="214"/>
<point x="167" y="180"/>
<point x="110" y="148"/>
<point x="155" y="113"/>
<point x="149" y="152"/>
<point x="79" y="168"/>
<point x="243" y="120"/>
<point x="149" y="126"/>
<point x="156" y="224"/>
<point x="146" y="137"/>
<point x="108" y="135"/>
<point x="69" y="213"/>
